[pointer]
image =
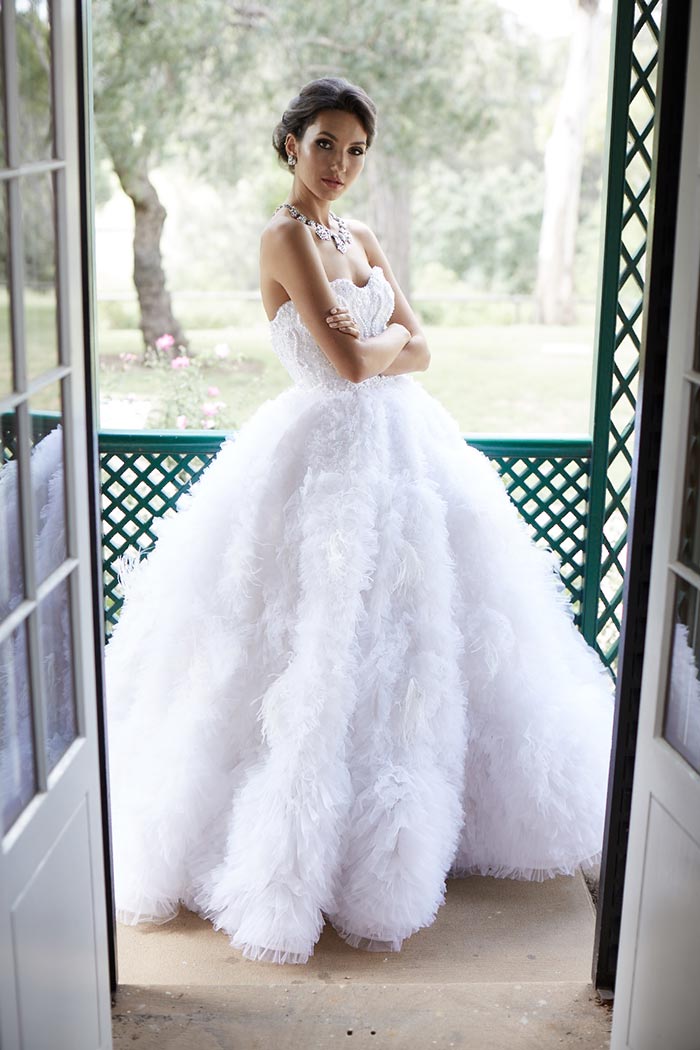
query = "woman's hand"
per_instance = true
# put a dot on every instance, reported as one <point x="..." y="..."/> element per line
<point x="341" y="318"/>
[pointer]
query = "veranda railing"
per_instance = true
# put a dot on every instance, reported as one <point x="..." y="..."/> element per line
<point x="143" y="474"/>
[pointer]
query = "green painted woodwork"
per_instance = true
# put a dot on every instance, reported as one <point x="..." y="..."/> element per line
<point x="143" y="474"/>
<point x="632" y="102"/>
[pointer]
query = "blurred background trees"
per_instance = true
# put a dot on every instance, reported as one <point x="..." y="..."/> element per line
<point x="157" y="69"/>
<point x="563" y="169"/>
<point x="483" y="183"/>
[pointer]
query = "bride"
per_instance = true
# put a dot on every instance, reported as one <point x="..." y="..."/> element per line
<point x="346" y="672"/>
<point x="326" y="150"/>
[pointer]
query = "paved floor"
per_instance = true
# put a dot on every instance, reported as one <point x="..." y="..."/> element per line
<point x="505" y="965"/>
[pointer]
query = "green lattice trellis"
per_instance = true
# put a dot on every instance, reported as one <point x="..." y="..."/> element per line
<point x="633" y="102"/>
<point x="574" y="499"/>
<point x="143" y="476"/>
<point x="548" y="481"/>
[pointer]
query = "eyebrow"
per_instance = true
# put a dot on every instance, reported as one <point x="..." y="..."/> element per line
<point x="332" y="136"/>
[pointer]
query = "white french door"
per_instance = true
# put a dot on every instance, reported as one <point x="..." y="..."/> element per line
<point x="657" y="1000"/>
<point x="54" y="991"/>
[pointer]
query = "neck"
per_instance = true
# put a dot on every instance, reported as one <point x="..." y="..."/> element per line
<point x="309" y="205"/>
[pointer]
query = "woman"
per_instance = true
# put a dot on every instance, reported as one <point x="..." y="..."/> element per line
<point x="346" y="671"/>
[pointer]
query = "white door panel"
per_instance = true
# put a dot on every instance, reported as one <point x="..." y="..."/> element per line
<point x="53" y="929"/>
<point x="661" y="1013"/>
<point x="657" y="1000"/>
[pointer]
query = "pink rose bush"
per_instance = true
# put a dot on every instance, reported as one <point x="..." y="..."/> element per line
<point x="184" y="397"/>
<point x="165" y="342"/>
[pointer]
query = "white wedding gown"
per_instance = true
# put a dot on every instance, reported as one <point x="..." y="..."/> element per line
<point x="345" y="673"/>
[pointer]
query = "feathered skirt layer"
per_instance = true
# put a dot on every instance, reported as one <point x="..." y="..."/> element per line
<point x="344" y="673"/>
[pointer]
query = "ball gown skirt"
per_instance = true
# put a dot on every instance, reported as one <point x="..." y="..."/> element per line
<point x="345" y="673"/>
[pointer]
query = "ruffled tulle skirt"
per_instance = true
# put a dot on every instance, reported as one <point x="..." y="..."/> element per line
<point x="345" y="673"/>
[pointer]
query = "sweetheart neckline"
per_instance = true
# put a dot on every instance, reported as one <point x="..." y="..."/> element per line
<point x="336" y="280"/>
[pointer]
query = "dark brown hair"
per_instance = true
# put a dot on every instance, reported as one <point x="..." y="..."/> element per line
<point x="325" y="93"/>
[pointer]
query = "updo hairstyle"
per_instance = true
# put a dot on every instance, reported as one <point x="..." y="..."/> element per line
<point x="324" y="93"/>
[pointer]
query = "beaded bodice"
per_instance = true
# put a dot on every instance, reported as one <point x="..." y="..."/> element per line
<point x="371" y="305"/>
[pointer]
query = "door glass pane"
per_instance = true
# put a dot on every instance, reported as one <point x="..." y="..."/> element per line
<point x="6" y="381"/>
<point x="47" y="480"/>
<point x="11" y="569"/>
<point x="56" y="640"/>
<point x="682" y="722"/>
<point x="34" y="65"/>
<point x="40" y="307"/>
<point x="690" y="521"/>
<point x="17" y="773"/>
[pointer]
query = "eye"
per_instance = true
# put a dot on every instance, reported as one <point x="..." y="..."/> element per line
<point x="356" y="151"/>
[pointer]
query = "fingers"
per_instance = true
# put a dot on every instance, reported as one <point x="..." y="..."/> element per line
<point x="338" y="315"/>
<point x="342" y="323"/>
<point x="341" y="318"/>
<point x="349" y="329"/>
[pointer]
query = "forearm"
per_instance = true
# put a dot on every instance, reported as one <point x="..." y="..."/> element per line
<point x="376" y="353"/>
<point x="414" y="357"/>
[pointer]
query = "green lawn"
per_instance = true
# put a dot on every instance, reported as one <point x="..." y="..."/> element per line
<point x="520" y="379"/>
<point x="524" y="379"/>
<point x="509" y="378"/>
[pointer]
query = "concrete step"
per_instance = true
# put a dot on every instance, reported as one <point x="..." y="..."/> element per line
<point x="505" y="965"/>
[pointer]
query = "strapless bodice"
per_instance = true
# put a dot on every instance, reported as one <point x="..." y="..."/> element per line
<point x="371" y="304"/>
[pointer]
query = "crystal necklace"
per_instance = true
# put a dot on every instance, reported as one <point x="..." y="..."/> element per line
<point x="341" y="239"/>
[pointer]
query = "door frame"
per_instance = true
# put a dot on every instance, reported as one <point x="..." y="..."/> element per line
<point x="671" y="82"/>
<point x="89" y="300"/>
<point x="661" y="902"/>
<point x="645" y="468"/>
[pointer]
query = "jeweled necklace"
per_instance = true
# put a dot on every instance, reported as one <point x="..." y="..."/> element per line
<point x="341" y="239"/>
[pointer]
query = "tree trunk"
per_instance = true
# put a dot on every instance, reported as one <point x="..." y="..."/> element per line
<point x="389" y="212"/>
<point x="157" y="317"/>
<point x="563" y="164"/>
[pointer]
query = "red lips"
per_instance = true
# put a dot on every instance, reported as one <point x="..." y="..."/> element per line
<point x="332" y="182"/>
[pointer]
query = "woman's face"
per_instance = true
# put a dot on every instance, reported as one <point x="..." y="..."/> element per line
<point x="330" y="154"/>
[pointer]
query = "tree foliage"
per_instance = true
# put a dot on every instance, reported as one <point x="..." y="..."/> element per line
<point x="466" y="101"/>
<point x="156" y="66"/>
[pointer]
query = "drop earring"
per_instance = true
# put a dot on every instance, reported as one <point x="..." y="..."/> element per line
<point x="291" y="160"/>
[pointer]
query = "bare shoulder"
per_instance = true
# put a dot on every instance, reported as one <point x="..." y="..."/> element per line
<point x="358" y="228"/>
<point x="362" y="231"/>
<point x="369" y="241"/>
<point x="282" y="229"/>
<point x="284" y="242"/>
